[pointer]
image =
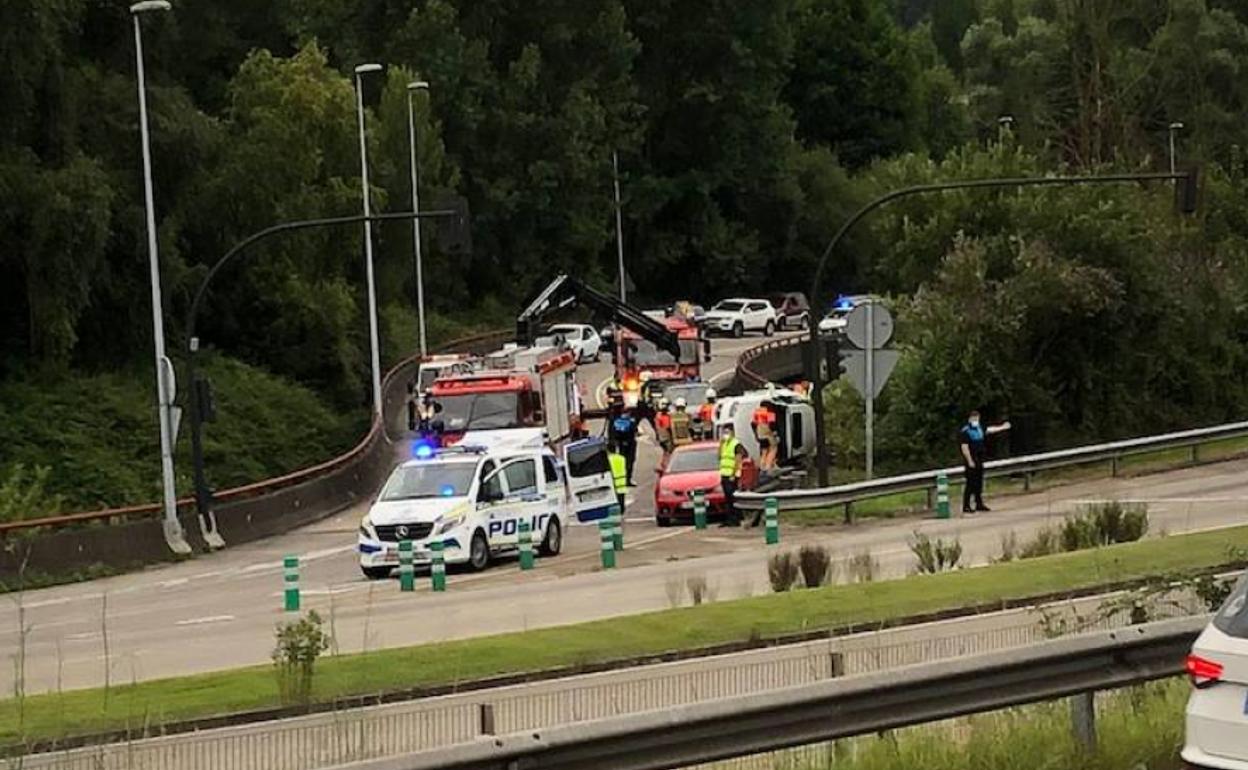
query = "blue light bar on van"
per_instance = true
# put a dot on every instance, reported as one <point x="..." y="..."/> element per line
<point x="844" y="303"/>
<point x="422" y="450"/>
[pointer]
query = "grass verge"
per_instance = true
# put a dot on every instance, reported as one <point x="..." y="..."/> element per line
<point x="907" y="503"/>
<point x="1139" y="728"/>
<point x="148" y="704"/>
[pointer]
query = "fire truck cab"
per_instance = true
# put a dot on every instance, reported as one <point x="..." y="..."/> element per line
<point x="516" y="388"/>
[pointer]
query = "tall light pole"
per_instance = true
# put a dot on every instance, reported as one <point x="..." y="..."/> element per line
<point x="1174" y="128"/>
<point x="412" y="88"/>
<point x="619" y="222"/>
<point x="164" y="369"/>
<point x="360" y="71"/>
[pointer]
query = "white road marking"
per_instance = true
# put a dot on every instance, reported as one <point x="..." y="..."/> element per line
<point x="208" y="619"/>
<point x="175" y="582"/>
<point x="717" y="377"/>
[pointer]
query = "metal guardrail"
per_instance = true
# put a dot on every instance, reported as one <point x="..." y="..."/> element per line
<point x="247" y="490"/>
<point x="830" y="710"/>
<point x="747" y="375"/>
<point x="825" y="497"/>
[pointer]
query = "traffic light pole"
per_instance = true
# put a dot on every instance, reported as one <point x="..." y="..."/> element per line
<point x="198" y="393"/>
<point x="1187" y="203"/>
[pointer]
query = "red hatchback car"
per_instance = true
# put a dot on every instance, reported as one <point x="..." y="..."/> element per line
<point x="690" y="468"/>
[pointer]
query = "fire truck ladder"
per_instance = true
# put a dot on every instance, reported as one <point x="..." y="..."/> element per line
<point x="566" y="290"/>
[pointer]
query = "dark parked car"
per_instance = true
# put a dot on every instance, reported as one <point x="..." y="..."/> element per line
<point x="792" y="310"/>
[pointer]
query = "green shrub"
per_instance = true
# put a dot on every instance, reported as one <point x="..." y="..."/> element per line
<point x="815" y="563"/>
<point x="1104" y="524"/>
<point x="1045" y="542"/>
<point x="933" y="556"/>
<point x="782" y="571"/>
<point x="299" y="644"/>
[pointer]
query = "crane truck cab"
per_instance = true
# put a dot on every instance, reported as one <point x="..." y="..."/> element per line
<point x="794" y="425"/>
<point x="471" y="500"/>
<point x="639" y="360"/>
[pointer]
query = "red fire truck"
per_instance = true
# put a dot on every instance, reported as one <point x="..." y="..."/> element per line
<point x="516" y="388"/>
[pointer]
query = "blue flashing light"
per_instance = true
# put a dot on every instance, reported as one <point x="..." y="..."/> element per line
<point x="844" y="303"/>
<point x="446" y="490"/>
<point x="422" y="450"/>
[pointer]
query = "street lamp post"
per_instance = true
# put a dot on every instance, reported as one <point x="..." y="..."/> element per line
<point x="1175" y="127"/>
<point x="419" y="85"/>
<point x="374" y="350"/>
<point x="174" y="535"/>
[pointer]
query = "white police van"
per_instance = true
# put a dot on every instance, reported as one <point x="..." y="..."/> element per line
<point x="472" y="498"/>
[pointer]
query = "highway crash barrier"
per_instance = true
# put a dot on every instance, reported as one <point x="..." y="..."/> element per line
<point x="616" y="519"/>
<point x="699" y="509"/>
<point x="771" y="521"/>
<point x="942" y="495"/>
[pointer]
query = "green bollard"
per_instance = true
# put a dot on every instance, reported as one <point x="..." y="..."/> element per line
<point x="526" y="545"/>
<point x="437" y="567"/>
<point x="616" y="520"/>
<point x="771" y="520"/>
<point x="607" y="545"/>
<point x="699" y="509"/>
<point x="290" y="570"/>
<point x="942" y="495"/>
<point x="407" y="572"/>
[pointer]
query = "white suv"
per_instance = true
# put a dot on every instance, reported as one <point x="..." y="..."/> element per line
<point x="582" y="339"/>
<point x="738" y="316"/>
<point x="1217" y="711"/>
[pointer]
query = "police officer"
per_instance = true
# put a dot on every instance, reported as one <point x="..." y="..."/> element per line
<point x="622" y="431"/>
<point x="682" y="424"/>
<point x="971" y="442"/>
<point x="731" y="455"/>
<point x="619" y="474"/>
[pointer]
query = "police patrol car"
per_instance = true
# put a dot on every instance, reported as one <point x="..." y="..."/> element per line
<point x="472" y="498"/>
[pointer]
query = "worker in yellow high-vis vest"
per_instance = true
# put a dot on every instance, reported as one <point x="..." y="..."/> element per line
<point x="731" y="454"/>
<point x="619" y="474"/>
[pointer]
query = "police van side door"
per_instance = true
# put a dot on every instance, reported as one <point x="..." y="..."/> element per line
<point x="522" y="501"/>
<point x="591" y="490"/>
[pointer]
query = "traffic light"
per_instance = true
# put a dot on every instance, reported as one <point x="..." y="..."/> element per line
<point x="1187" y="191"/>
<point x="834" y="355"/>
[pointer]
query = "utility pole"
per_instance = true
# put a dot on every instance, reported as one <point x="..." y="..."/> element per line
<point x="619" y="223"/>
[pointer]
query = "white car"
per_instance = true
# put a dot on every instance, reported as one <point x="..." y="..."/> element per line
<point x="738" y="316"/>
<point x="1217" y="711"/>
<point x="581" y="338"/>
<point x="472" y="499"/>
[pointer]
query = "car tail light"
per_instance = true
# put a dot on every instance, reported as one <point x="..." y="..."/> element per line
<point x="1203" y="672"/>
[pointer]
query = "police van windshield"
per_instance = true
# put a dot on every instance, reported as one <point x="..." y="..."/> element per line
<point x="646" y="353"/>
<point x="414" y="482"/>
<point x="694" y="460"/>
<point x="480" y="411"/>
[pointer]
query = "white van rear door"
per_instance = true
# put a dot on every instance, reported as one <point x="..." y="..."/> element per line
<point x="591" y="491"/>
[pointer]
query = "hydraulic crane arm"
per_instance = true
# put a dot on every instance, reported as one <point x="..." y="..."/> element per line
<point x="566" y="290"/>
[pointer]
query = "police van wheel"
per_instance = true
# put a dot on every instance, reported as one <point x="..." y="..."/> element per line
<point x="376" y="573"/>
<point x="552" y="543"/>
<point x="479" y="552"/>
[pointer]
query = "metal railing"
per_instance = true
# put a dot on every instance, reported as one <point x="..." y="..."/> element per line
<point x="246" y="490"/>
<point x="830" y="710"/>
<point x="1112" y="452"/>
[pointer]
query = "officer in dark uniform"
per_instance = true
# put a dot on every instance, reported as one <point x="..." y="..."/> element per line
<point x="972" y="444"/>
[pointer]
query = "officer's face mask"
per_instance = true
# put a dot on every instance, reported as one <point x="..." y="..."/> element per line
<point x="974" y="422"/>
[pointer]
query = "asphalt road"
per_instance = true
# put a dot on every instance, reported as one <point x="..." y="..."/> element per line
<point x="219" y="611"/>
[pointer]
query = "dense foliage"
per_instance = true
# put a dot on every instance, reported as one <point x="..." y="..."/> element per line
<point x="746" y="132"/>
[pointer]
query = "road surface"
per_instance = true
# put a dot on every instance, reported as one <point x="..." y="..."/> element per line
<point x="219" y="611"/>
